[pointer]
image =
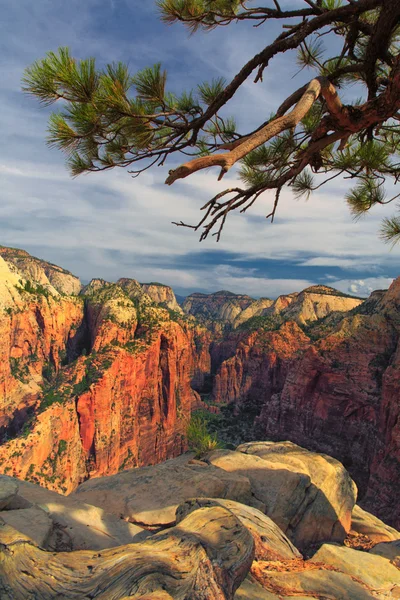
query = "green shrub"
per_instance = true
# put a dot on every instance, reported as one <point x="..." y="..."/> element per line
<point x="199" y="439"/>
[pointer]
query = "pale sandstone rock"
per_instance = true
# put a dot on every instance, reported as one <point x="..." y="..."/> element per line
<point x="309" y="496"/>
<point x="150" y="495"/>
<point x="366" y="524"/>
<point x="270" y="542"/>
<point x="33" y="522"/>
<point x="316" y="303"/>
<point x="221" y="306"/>
<point x="320" y="584"/>
<point x="8" y="490"/>
<point x="76" y="525"/>
<point x="252" y="590"/>
<point x="9" y="280"/>
<point x="206" y="557"/>
<point x="389" y="550"/>
<point x="38" y="271"/>
<point x="255" y="309"/>
<point x="162" y="294"/>
<point x="373" y="570"/>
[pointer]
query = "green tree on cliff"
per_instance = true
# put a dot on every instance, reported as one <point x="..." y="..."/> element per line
<point x="115" y="118"/>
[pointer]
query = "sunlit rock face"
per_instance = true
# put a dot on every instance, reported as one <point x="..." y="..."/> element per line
<point x="40" y="271"/>
<point x="162" y="294"/>
<point x="93" y="383"/>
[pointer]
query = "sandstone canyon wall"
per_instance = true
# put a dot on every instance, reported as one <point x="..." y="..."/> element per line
<point x="92" y="384"/>
<point x="332" y="385"/>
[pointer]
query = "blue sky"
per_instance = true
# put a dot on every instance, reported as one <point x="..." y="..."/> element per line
<point x="110" y="225"/>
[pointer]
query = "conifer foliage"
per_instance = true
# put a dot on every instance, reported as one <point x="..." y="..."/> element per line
<point x="113" y="117"/>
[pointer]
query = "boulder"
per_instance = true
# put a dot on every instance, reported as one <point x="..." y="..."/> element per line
<point x="362" y="522"/>
<point x="8" y="490"/>
<point x="270" y="542"/>
<point x="75" y="525"/>
<point x="149" y="496"/>
<point x="318" y="583"/>
<point x="207" y="556"/>
<point x="252" y="590"/>
<point x="373" y="570"/>
<point x="309" y="496"/>
<point x="389" y="550"/>
<point x="33" y="522"/>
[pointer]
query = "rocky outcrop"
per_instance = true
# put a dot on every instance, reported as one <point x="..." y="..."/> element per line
<point x="297" y="487"/>
<point x="373" y="570"/>
<point x="36" y="331"/>
<point x="270" y="542"/>
<point x="206" y="556"/>
<point x="62" y="524"/>
<point x="162" y="294"/>
<point x="315" y="302"/>
<point x="41" y="272"/>
<point x="389" y="550"/>
<point x="224" y="307"/>
<point x="207" y="548"/>
<point x="365" y="524"/>
<point x="150" y="496"/>
<point x="95" y="383"/>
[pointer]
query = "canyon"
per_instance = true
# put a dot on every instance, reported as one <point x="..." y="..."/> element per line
<point x="102" y="378"/>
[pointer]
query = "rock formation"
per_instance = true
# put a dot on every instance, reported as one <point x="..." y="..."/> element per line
<point x="204" y="548"/>
<point x="94" y="383"/>
<point x="162" y="294"/>
<point x="224" y="307"/>
<point x="40" y="271"/>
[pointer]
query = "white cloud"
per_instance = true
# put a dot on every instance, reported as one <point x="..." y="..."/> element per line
<point x="363" y="287"/>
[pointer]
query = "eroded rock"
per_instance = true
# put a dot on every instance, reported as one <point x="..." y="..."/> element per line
<point x="373" y="570"/>
<point x="74" y="525"/>
<point x="33" y="522"/>
<point x="309" y="496"/>
<point x="149" y="496"/>
<point x="270" y="542"/>
<point x="8" y="490"/>
<point x="207" y="556"/>
<point x="364" y="523"/>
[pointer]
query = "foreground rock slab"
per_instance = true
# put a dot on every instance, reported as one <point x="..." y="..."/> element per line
<point x="373" y="570"/>
<point x="364" y="523"/>
<point x="73" y="525"/>
<point x="389" y="550"/>
<point x="319" y="583"/>
<point x="252" y="590"/>
<point x="149" y="496"/>
<point x="310" y="496"/>
<point x="270" y="542"/>
<point x="8" y="490"/>
<point x="206" y="557"/>
<point x="33" y="522"/>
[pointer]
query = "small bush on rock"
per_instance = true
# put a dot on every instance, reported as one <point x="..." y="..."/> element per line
<point x="199" y="439"/>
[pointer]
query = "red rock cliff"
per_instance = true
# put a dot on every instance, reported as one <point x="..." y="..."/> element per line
<point x="117" y="387"/>
<point x="335" y="391"/>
